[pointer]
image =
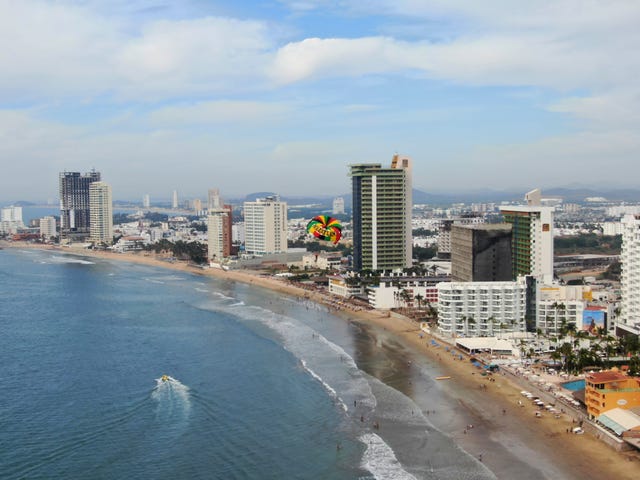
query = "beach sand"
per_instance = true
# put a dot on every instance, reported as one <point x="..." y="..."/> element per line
<point x="504" y="433"/>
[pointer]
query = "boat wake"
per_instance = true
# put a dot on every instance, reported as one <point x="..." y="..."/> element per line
<point x="172" y="398"/>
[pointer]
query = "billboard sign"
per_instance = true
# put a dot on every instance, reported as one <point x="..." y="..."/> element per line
<point x="594" y="321"/>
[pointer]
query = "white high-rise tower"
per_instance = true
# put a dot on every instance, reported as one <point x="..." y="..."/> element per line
<point x="265" y="223"/>
<point x="101" y="213"/>
<point x="630" y="278"/>
<point x="174" y="201"/>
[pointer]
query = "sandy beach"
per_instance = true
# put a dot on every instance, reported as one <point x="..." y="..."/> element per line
<point x="490" y="403"/>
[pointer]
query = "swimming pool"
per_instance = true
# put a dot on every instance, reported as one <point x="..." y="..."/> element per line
<point x="574" y="385"/>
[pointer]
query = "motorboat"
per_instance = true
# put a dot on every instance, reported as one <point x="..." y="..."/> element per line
<point x="164" y="378"/>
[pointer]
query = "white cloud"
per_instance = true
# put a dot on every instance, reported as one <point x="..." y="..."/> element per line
<point x="200" y="55"/>
<point x="64" y="50"/>
<point x="223" y="111"/>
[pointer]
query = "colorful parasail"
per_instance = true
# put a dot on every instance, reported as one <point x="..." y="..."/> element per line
<point x="325" y="228"/>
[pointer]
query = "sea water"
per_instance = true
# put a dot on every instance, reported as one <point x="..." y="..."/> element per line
<point x="260" y="386"/>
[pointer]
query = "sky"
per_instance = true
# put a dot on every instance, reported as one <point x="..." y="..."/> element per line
<point x="283" y="95"/>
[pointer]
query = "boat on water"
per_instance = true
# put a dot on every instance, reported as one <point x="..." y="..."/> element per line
<point x="164" y="378"/>
<point x="443" y="378"/>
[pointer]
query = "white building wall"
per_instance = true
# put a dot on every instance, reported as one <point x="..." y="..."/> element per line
<point x="630" y="278"/>
<point x="215" y="229"/>
<point x="101" y="213"/>
<point x="489" y="305"/>
<point x="265" y="224"/>
<point x="338" y="206"/>
<point x="11" y="214"/>
<point x="612" y="228"/>
<point x="48" y="227"/>
<point x="338" y="286"/>
<point x="385" y="296"/>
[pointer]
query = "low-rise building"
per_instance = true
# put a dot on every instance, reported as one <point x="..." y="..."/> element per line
<point x="399" y="290"/>
<point x="610" y="389"/>
<point x="322" y="261"/>
<point x="341" y="286"/>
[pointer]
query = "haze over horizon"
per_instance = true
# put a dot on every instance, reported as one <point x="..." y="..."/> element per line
<point x="282" y="95"/>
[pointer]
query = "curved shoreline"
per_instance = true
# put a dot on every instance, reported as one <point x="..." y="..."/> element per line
<point x="492" y="405"/>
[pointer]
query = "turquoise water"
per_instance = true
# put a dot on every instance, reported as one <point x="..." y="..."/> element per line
<point x="574" y="385"/>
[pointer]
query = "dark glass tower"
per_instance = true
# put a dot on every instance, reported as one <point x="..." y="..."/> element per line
<point x="75" y="215"/>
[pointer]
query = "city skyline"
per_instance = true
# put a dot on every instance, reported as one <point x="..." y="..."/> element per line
<point x="248" y="95"/>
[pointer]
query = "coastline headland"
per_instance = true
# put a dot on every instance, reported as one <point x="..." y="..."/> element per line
<point x="492" y="411"/>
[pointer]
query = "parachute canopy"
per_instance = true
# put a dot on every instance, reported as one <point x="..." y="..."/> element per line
<point x="325" y="228"/>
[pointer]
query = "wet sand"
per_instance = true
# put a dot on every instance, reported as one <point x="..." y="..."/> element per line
<point x="513" y="443"/>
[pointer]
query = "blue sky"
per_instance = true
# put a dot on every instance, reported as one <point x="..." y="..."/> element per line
<point x="282" y="95"/>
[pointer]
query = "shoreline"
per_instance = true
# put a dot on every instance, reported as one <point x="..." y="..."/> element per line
<point x="492" y="405"/>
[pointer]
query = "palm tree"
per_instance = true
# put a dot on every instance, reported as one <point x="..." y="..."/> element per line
<point x="419" y="299"/>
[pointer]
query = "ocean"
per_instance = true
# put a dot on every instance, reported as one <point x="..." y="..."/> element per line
<point x="260" y="386"/>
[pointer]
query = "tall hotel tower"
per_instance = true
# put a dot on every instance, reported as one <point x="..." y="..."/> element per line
<point x="101" y="208"/>
<point x="74" y="204"/>
<point x="382" y="204"/>
<point x="219" y="224"/>
<point x="265" y="225"/>
<point x="532" y="238"/>
<point x="630" y="278"/>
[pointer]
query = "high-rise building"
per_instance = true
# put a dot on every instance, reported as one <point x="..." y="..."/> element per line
<point x="265" y="223"/>
<point x="481" y="253"/>
<point x="146" y="202"/>
<point x="382" y="203"/>
<point x="338" y="206"/>
<point x="532" y="237"/>
<point x="174" y="199"/>
<point x="101" y="208"/>
<point x="629" y="318"/>
<point x="74" y="204"/>
<point x="213" y="199"/>
<point x="219" y="231"/>
<point x="11" y="219"/>
<point x="48" y="227"/>
<point x="444" y="231"/>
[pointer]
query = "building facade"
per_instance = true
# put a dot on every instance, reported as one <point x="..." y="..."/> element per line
<point x="608" y="390"/>
<point x="444" y="231"/>
<point x="405" y="291"/>
<point x="561" y="305"/>
<point x="48" y="227"/>
<point x="265" y="226"/>
<point x="481" y="253"/>
<point x="11" y="219"/>
<point x="532" y="234"/>
<point x="382" y="204"/>
<point x="481" y="309"/>
<point x="338" y="206"/>
<point x="101" y="213"/>
<point x="630" y="279"/>
<point x="75" y="215"/>
<point x="219" y="233"/>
